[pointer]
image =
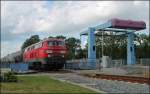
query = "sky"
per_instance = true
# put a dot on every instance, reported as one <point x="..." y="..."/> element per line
<point x="21" y="19"/>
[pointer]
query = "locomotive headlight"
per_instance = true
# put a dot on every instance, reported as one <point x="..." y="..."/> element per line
<point x="62" y="52"/>
<point x="49" y="55"/>
<point x="63" y="56"/>
<point x="49" y="51"/>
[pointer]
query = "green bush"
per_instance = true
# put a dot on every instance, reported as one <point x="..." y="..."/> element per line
<point x="8" y="77"/>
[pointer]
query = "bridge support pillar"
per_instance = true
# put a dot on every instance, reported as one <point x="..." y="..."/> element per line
<point x="91" y="49"/>
<point x="130" y="49"/>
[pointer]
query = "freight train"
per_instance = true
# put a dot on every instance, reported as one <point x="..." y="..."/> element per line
<point x="49" y="53"/>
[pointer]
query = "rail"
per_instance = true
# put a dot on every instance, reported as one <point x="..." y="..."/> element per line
<point x="132" y="79"/>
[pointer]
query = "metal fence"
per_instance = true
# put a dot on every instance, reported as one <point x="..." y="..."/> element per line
<point x="79" y="64"/>
<point x="82" y="63"/>
<point x="4" y="65"/>
<point x="15" y="67"/>
<point x="145" y="61"/>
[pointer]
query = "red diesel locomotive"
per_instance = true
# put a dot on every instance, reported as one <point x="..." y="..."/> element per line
<point x="48" y="54"/>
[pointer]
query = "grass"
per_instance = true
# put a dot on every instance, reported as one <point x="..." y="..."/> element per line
<point x="41" y="84"/>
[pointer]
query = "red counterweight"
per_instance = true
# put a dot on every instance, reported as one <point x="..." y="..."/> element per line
<point x="127" y="24"/>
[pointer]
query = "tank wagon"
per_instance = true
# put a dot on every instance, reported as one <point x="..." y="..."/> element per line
<point x="48" y="54"/>
<point x="15" y="57"/>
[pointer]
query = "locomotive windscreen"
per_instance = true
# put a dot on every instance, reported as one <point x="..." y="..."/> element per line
<point x="56" y="43"/>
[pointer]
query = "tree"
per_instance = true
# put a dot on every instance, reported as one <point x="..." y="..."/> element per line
<point x="72" y="43"/>
<point x="33" y="39"/>
<point x="113" y="46"/>
<point x="61" y="37"/>
<point x="50" y="37"/>
<point x="142" y="46"/>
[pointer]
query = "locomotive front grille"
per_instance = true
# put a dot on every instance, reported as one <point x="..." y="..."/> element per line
<point x="56" y="59"/>
<point x="55" y="62"/>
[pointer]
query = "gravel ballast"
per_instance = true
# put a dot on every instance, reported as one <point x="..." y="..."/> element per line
<point x="107" y="86"/>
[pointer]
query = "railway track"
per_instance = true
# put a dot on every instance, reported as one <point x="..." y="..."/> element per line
<point x="132" y="79"/>
<point x="61" y="71"/>
<point x="125" y="78"/>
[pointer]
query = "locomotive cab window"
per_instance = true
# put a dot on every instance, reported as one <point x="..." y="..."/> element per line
<point x="50" y="43"/>
<point x="60" y="43"/>
<point x="56" y="43"/>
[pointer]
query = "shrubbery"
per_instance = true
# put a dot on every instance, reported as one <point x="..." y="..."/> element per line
<point x="8" y="77"/>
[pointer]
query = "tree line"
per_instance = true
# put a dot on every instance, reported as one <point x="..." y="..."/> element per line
<point x="113" y="46"/>
<point x="116" y="46"/>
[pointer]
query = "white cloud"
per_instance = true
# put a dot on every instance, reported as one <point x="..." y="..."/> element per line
<point x="22" y="15"/>
<point x="64" y="17"/>
<point x="68" y="16"/>
<point x="9" y="47"/>
<point x="74" y="16"/>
